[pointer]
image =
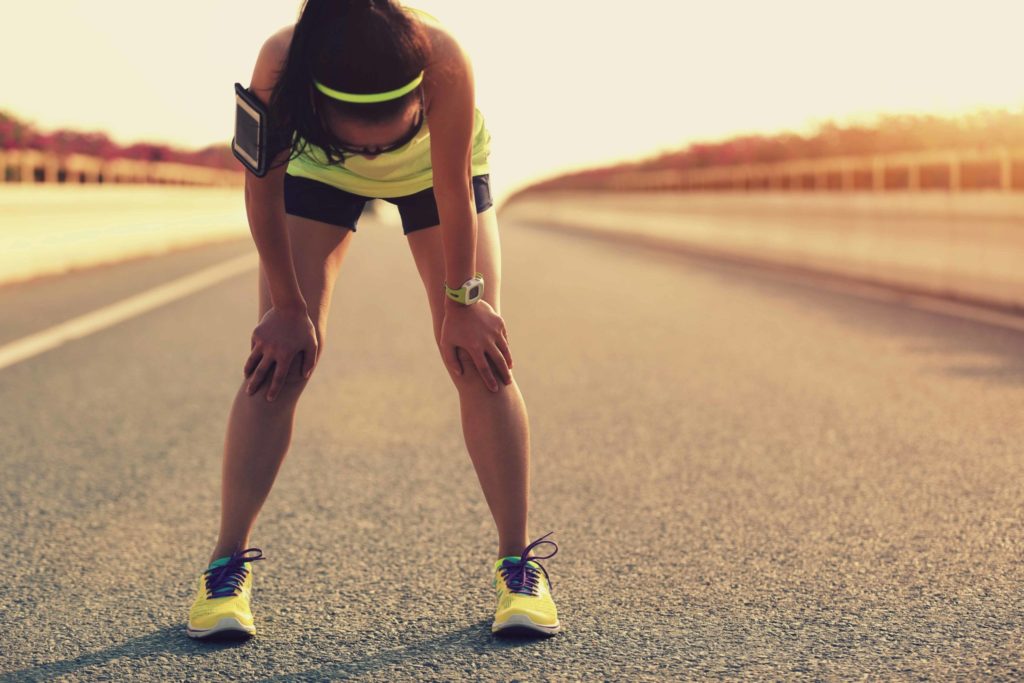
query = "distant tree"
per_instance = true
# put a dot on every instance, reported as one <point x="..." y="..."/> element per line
<point x="18" y="134"/>
<point x="887" y="133"/>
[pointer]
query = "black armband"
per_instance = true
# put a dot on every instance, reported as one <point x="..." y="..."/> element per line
<point x="256" y="141"/>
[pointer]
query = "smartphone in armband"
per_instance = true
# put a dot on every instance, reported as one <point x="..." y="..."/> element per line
<point x="249" y="145"/>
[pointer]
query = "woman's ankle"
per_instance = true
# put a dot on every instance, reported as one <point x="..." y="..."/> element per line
<point x="226" y="550"/>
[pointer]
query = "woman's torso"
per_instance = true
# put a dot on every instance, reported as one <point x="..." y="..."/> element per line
<point x="402" y="172"/>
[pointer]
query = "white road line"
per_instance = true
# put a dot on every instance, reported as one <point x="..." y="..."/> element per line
<point x="37" y="343"/>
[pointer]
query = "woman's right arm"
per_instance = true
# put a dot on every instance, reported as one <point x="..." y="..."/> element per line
<point x="264" y="197"/>
<point x="286" y="330"/>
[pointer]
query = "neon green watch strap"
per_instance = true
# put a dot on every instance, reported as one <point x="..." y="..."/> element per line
<point x="460" y="294"/>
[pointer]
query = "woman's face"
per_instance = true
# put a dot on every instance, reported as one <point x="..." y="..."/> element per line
<point x="372" y="137"/>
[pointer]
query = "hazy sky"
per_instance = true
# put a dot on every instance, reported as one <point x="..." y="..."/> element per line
<point x="561" y="83"/>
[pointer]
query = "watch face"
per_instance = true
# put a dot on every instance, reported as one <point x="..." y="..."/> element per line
<point x="474" y="292"/>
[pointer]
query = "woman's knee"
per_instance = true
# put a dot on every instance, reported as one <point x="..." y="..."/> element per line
<point x="293" y="382"/>
<point x="300" y="363"/>
<point x="470" y="379"/>
<point x="296" y="373"/>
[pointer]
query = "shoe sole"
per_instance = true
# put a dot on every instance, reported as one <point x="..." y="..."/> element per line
<point x="520" y="623"/>
<point x="227" y="626"/>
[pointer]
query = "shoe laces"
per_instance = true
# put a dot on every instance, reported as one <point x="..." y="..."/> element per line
<point x="226" y="580"/>
<point x="522" y="577"/>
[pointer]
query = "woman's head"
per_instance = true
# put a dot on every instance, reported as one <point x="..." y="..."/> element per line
<point x="352" y="46"/>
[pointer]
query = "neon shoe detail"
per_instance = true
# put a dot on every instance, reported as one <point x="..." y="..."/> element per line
<point x="223" y="594"/>
<point x="523" y="591"/>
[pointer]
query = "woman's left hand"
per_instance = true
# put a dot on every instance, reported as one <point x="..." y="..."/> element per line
<point x="481" y="333"/>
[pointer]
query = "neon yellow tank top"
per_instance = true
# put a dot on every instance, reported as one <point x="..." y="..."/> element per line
<point x="401" y="172"/>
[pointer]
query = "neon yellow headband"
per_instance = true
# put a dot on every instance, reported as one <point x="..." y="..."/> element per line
<point x="371" y="97"/>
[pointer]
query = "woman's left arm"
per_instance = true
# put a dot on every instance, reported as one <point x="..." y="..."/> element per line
<point x="476" y="328"/>
<point x="450" y="111"/>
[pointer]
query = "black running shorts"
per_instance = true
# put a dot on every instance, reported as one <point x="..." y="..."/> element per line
<point x="322" y="202"/>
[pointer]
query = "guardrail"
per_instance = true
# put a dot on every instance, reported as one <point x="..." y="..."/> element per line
<point x="955" y="170"/>
<point x="34" y="166"/>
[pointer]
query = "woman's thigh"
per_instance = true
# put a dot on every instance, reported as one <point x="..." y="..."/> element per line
<point x="428" y="253"/>
<point x="318" y="250"/>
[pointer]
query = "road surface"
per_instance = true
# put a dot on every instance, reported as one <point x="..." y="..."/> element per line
<point x="748" y="477"/>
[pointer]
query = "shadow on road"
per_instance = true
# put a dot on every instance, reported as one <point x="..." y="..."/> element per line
<point x="436" y="656"/>
<point x="170" y="640"/>
<point x="432" y="654"/>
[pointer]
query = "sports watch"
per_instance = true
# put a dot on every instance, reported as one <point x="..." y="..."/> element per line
<point x="470" y="291"/>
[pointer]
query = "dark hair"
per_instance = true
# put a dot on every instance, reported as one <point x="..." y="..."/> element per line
<point x="358" y="46"/>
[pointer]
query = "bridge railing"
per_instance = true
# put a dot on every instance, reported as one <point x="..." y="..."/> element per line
<point x="35" y="166"/>
<point x="955" y="170"/>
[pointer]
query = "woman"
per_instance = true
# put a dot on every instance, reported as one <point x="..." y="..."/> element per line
<point x="371" y="99"/>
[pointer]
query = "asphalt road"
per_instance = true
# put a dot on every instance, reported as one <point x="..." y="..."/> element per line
<point x="748" y="478"/>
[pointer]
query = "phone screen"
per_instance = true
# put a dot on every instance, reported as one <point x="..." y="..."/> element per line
<point x="247" y="131"/>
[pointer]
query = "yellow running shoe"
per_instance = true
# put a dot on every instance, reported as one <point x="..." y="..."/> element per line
<point x="222" y="600"/>
<point x="524" y="593"/>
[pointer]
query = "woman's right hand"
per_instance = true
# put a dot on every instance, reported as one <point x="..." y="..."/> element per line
<point x="282" y="334"/>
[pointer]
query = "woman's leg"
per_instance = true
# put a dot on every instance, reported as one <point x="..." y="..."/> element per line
<point x="495" y="424"/>
<point x="259" y="431"/>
